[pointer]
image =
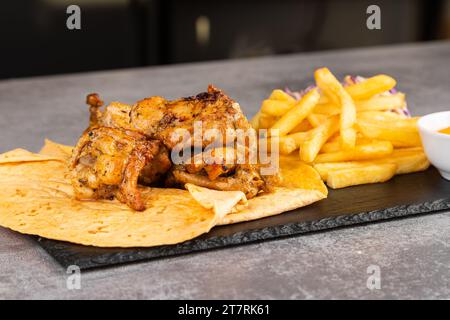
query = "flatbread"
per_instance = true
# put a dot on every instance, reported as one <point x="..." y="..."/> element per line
<point x="22" y="155"/>
<point x="221" y="202"/>
<point x="300" y="186"/>
<point x="270" y="204"/>
<point x="36" y="198"/>
<point x="57" y="150"/>
<point x="296" y="174"/>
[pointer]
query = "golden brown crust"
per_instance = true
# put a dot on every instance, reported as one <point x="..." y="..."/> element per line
<point x="128" y="144"/>
<point x="107" y="162"/>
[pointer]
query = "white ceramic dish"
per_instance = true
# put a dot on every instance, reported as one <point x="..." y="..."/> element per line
<point x="435" y="144"/>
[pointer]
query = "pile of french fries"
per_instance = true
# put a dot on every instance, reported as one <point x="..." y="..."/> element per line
<point x="352" y="134"/>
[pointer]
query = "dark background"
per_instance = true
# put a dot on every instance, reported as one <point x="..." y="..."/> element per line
<point x="131" y="33"/>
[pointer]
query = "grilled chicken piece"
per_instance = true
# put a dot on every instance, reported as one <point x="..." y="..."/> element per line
<point x="215" y="162"/>
<point x="107" y="163"/>
<point x="159" y="118"/>
<point x="245" y="178"/>
<point x="224" y="168"/>
<point x="130" y="143"/>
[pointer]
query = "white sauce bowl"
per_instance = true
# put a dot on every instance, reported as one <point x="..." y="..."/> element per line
<point x="435" y="144"/>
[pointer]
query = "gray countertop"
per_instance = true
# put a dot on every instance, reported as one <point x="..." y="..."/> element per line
<point x="413" y="254"/>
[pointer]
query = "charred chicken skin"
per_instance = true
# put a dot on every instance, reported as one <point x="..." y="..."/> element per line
<point x="130" y="144"/>
<point x="219" y="168"/>
<point x="107" y="163"/>
<point x="159" y="118"/>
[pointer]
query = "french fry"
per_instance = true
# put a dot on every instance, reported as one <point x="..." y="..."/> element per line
<point x="348" y="117"/>
<point x="276" y="108"/>
<point x="334" y="90"/>
<point x="310" y="147"/>
<point x="331" y="146"/>
<point x="374" y="150"/>
<point x="286" y="146"/>
<point x="360" y="175"/>
<point x="370" y="87"/>
<point x="316" y="119"/>
<point x="305" y="125"/>
<point x="347" y="133"/>
<point x="377" y="103"/>
<point x="388" y="119"/>
<point x="400" y="134"/>
<point x="407" y="160"/>
<point x="280" y="95"/>
<point x="254" y="122"/>
<point x="324" y="168"/>
<point x="409" y="150"/>
<point x="298" y="137"/>
<point x="381" y="103"/>
<point x="266" y="121"/>
<point x="335" y="146"/>
<point x="335" y="138"/>
<point x="328" y="109"/>
<point x="291" y="142"/>
<point x="299" y="112"/>
<point x="379" y="116"/>
<point x="323" y="99"/>
<point x="329" y="85"/>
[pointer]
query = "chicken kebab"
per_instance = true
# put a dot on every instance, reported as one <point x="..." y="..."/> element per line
<point x="130" y="145"/>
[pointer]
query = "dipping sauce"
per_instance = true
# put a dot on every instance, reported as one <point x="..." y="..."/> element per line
<point x="445" y="131"/>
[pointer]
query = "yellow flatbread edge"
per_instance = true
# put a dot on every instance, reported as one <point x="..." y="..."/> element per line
<point x="22" y="155"/>
<point x="37" y="199"/>
<point x="269" y="204"/>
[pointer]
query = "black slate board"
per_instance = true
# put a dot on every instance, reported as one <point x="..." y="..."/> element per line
<point x="405" y="195"/>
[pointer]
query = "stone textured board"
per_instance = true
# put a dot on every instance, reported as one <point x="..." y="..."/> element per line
<point x="405" y="195"/>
